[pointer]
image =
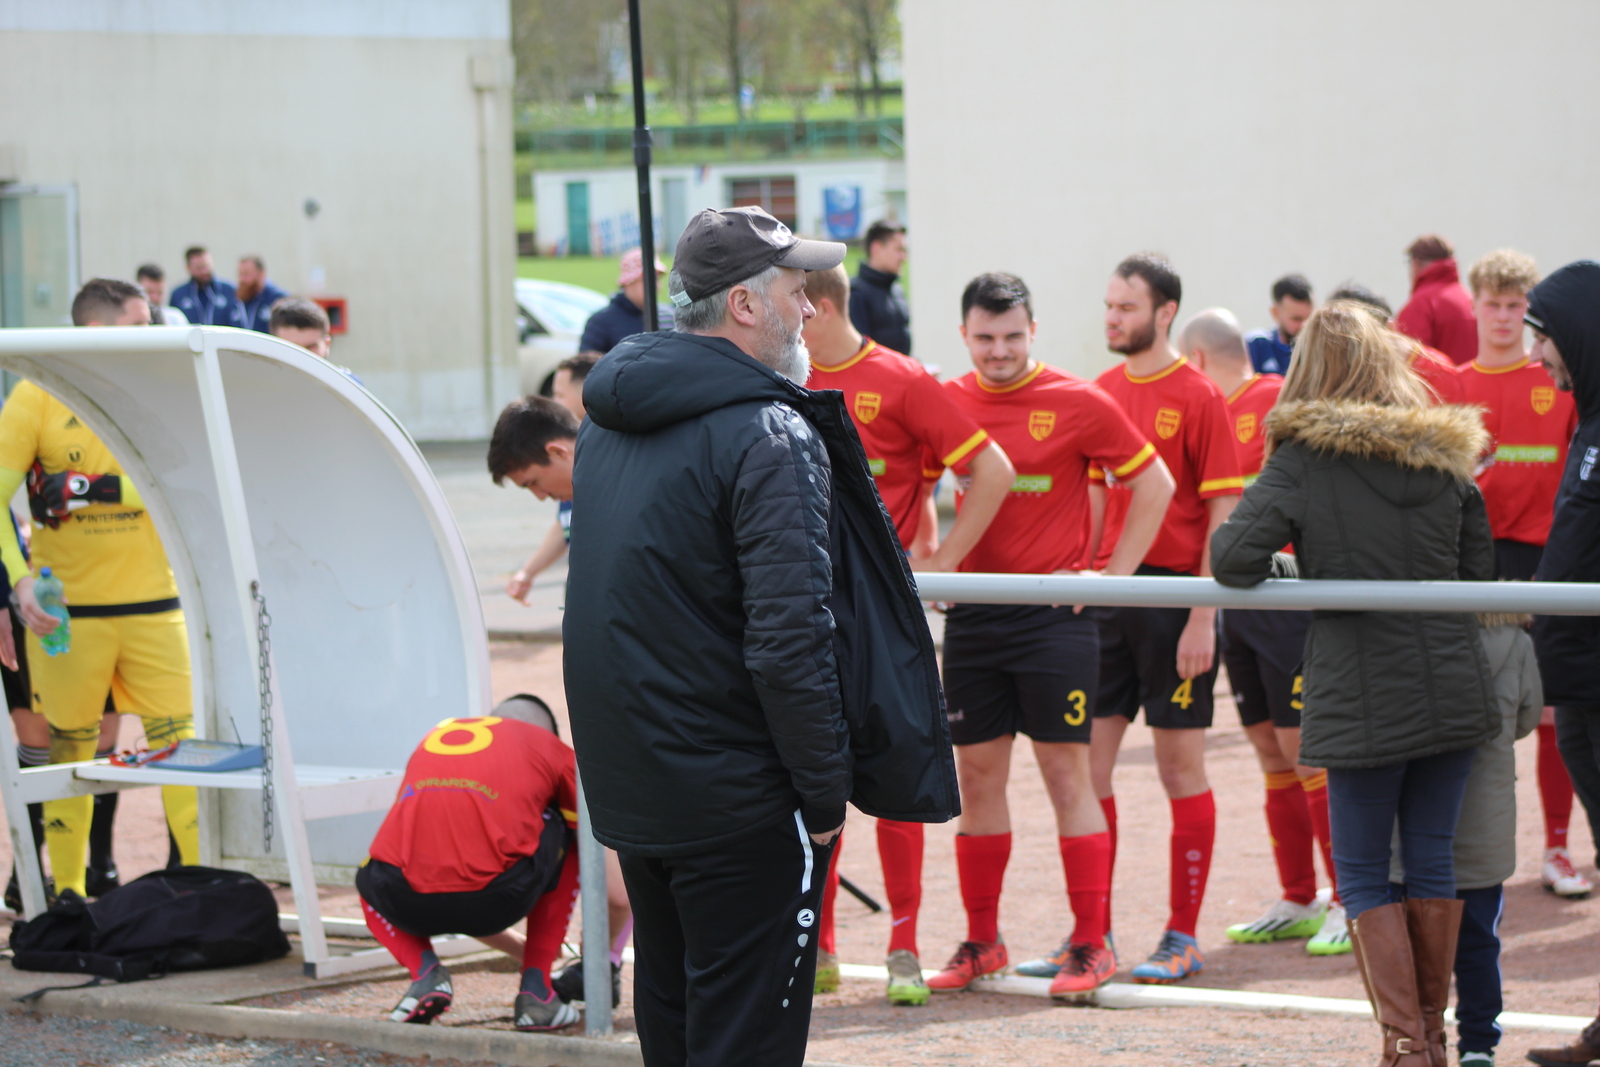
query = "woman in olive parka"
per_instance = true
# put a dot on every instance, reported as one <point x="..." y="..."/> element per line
<point x="1370" y="478"/>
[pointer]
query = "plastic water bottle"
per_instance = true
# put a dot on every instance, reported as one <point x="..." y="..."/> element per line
<point x="51" y="594"/>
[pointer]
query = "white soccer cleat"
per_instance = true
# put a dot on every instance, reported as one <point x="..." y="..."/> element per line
<point x="1334" y="937"/>
<point x="1560" y="877"/>
<point x="1284" y="921"/>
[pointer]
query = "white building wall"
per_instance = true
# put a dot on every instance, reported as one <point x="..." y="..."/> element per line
<point x="1244" y="138"/>
<point x="614" y="199"/>
<point x="213" y="121"/>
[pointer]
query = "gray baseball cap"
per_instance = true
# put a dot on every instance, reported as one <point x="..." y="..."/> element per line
<point x="720" y="249"/>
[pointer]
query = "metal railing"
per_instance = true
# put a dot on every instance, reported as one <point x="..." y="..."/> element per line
<point x="1150" y="591"/>
<point x="885" y="136"/>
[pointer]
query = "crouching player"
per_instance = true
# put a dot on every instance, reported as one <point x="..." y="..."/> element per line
<point x="478" y="839"/>
<point x="1035" y="669"/>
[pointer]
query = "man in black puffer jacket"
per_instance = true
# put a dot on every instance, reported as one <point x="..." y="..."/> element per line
<point x="1564" y="311"/>
<point x="745" y="652"/>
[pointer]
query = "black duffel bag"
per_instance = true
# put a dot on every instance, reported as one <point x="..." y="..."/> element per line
<point x="178" y="919"/>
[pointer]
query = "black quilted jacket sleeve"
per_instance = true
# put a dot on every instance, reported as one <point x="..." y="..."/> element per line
<point x="780" y="528"/>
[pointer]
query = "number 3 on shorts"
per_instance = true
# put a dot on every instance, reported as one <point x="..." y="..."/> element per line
<point x="1080" y="707"/>
<point x="479" y="736"/>
<point x="1183" y="696"/>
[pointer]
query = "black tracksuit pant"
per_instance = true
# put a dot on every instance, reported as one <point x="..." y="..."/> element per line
<point x="725" y="950"/>
<point x="1578" y="738"/>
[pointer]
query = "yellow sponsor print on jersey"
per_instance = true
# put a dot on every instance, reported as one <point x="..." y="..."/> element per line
<point x="868" y="405"/>
<point x="1543" y="398"/>
<point x="1245" y="427"/>
<point x="1041" y="424"/>
<point x="1167" y="420"/>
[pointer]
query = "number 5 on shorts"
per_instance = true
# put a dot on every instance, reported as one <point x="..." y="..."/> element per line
<point x="1299" y="687"/>
<point x="1080" y="707"/>
<point x="1183" y="696"/>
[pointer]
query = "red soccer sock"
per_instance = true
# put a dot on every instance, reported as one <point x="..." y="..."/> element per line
<point x="1108" y="805"/>
<point x="1316" y="790"/>
<point x="900" y="852"/>
<point x="981" y="864"/>
<point x="547" y="922"/>
<point x="407" y="948"/>
<point x="1555" y="788"/>
<point x="1289" y="825"/>
<point x="1086" y="861"/>
<point x="1194" y="833"/>
<point x="830" y="892"/>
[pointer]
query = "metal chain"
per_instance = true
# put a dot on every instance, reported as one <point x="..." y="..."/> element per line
<point x="264" y="643"/>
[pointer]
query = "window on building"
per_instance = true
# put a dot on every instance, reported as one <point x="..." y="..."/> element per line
<point x="773" y="195"/>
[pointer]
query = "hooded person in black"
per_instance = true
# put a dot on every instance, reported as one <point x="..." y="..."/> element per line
<point x="1564" y="311"/>
<point x="745" y="652"/>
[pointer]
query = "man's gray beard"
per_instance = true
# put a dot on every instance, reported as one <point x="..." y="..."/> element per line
<point x="786" y="354"/>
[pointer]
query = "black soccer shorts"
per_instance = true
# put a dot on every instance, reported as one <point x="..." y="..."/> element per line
<point x="1139" y="667"/>
<point x="1262" y="651"/>
<point x="1028" y="669"/>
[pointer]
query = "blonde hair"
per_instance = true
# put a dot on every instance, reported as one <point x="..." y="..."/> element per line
<point x="833" y="284"/>
<point x="1503" y="271"/>
<point x="1344" y="353"/>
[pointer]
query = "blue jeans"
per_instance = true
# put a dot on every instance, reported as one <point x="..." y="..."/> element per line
<point x="1363" y="803"/>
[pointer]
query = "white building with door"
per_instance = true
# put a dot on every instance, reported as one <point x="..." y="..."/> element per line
<point x="596" y="212"/>
<point x="1245" y="139"/>
<point x="363" y="148"/>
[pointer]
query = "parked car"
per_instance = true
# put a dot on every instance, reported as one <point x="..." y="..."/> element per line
<point x="550" y="318"/>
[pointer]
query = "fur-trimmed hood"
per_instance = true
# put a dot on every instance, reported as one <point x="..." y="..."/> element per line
<point x="1448" y="438"/>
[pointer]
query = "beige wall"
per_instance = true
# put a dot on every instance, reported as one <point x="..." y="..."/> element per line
<point x="219" y="139"/>
<point x="1245" y="139"/>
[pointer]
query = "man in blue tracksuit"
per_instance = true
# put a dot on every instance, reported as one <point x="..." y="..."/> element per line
<point x="205" y="299"/>
<point x="257" y="294"/>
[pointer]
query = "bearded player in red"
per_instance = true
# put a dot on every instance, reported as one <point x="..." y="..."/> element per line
<point x="902" y="415"/>
<point x="478" y="839"/>
<point x="1262" y="651"/>
<point x="1530" y="424"/>
<point x="1034" y="669"/>
<point x="1165" y="658"/>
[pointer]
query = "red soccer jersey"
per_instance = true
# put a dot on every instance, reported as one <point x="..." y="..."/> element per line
<point x="902" y="415"/>
<point x="1185" y="416"/>
<point x="472" y="802"/>
<point x="1052" y="426"/>
<point x="1530" y="424"/>
<point x="1435" y="368"/>
<point x="1247" y="413"/>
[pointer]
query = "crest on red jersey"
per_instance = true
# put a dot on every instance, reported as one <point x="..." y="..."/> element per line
<point x="868" y="405"/>
<point x="1167" y="421"/>
<point x="1041" y="424"/>
<point x="1543" y="398"/>
<point x="1246" y="426"/>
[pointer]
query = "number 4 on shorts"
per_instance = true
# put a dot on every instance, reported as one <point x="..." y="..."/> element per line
<point x="1183" y="696"/>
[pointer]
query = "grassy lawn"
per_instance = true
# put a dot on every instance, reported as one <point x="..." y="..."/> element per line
<point x="600" y="272"/>
<point x="527" y="215"/>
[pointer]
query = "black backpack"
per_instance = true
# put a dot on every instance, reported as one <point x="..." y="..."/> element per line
<point x="179" y="919"/>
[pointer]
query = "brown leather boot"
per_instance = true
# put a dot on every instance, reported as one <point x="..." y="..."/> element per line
<point x="1383" y="952"/>
<point x="1434" y="925"/>
<point x="1581" y="1051"/>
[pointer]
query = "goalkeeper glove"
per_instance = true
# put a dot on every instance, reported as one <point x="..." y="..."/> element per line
<point x="52" y="497"/>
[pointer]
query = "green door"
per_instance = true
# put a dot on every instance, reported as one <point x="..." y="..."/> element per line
<point x="38" y="258"/>
<point x="577" y="218"/>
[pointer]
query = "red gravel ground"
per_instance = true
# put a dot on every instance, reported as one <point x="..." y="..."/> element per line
<point x="1548" y="960"/>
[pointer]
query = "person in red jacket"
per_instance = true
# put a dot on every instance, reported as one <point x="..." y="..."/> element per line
<point x="1439" y="313"/>
<point x="478" y="838"/>
<point x="1530" y="423"/>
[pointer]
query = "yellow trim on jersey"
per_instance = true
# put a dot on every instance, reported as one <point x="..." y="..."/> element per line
<point x="1237" y="393"/>
<point x="1144" y="453"/>
<point x="1096" y="474"/>
<point x="1158" y="375"/>
<point x="965" y="448"/>
<point x="1014" y="386"/>
<point x="1221" y="483"/>
<point x="1481" y="369"/>
<point x="866" y="346"/>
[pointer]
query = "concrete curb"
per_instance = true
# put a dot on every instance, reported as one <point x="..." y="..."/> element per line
<point x="495" y="1046"/>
